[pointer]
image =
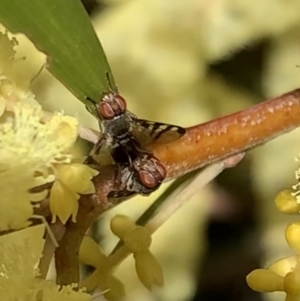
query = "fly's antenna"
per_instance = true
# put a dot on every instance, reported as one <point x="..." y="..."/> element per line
<point x="110" y="85"/>
<point x="95" y="105"/>
<point x="37" y="74"/>
<point x="23" y="58"/>
<point x="91" y="100"/>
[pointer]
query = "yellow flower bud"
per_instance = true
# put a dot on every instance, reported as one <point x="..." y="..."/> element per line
<point x="90" y="253"/>
<point x="261" y="280"/>
<point x="67" y="129"/>
<point x="120" y="225"/>
<point x="116" y="289"/>
<point x="138" y="239"/>
<point x="113" y="289"/>
<point x="71" y="179"/>
<point x="7" y="88"/>
<point x="63" y="203"/>
<point x="76" y="177"/>
<point x="284" y="265"/>
<point x="38" y="196"/>
<point x="292" y="285"/>
<point x="148" y="269"/>
<point x="292" y="236"/>
<point x="287" y="203"/>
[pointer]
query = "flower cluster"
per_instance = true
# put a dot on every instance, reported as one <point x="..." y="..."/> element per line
<point x="137" y="240"/>
<point x="91" y="254"/>
<point x="284" y="274"/>
<point x="71" y="180"/>
<point x="35" y="149"/>
<point x="19" y="254"/>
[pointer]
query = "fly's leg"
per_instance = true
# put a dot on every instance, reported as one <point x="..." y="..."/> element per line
<point x="118" y="176"/>
<point x="95" y="151"/>
<point x="129" y="159"/>
<point x="110" y="84"/>
<point x="90" y="161"/>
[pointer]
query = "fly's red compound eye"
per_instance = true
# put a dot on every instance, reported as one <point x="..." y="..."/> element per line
<point x="106" y="110"/>
<point x="147" y="179"/>
<point x="121" y="102"/>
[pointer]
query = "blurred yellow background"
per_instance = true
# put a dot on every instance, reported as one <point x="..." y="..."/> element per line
<point x="187" y="62"/>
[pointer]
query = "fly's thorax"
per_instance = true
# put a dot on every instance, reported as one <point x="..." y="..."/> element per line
<point x="117" y="127"/>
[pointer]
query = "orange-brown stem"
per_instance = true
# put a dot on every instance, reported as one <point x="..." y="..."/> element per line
<point x="214" y="140"/>
<point x="90" y="207"/>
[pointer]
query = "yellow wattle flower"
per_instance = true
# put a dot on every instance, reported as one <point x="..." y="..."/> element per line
<point x="7" y="56"/>
<point x="71" y="180"/>
<point x="13" y="87"/>
<point x="90" y="253"/>
<point x="20" y="252"/>
<point x="29" y="151"/>
<point x="15" y="200"/>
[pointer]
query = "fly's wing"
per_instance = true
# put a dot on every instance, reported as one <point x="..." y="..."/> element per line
<point x="148" y="132"/>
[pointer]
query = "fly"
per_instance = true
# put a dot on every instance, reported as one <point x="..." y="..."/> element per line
<point x="126" y="138"/>
<point x="144" y="177"/>
<point x="121" y="128"/>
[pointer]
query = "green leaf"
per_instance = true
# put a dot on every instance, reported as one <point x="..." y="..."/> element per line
<point x="63" y="31"/>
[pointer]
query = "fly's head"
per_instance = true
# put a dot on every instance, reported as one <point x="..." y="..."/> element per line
<point x="111" y="106"/>
<point x="112" y="109"/>
<point x="150" y="171"/>
<point x="143" y="177"/>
